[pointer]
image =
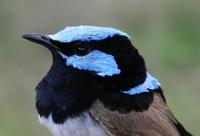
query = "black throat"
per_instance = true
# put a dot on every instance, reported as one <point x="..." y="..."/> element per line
<point x="65" y="92"/>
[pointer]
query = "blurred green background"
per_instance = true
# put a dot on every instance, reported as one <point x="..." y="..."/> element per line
<point x="167" y="33"/>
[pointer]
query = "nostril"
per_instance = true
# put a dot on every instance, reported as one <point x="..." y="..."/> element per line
<point x="45" y="37"/>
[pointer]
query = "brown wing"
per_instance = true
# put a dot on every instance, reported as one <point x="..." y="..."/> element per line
<point x="156" y="121"/>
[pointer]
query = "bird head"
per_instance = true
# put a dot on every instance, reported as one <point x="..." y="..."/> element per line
<point x="103" y="53"/>
<point x="91" y="63"/>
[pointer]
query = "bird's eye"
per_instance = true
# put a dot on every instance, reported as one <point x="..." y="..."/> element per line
<point x="81" y="50"/>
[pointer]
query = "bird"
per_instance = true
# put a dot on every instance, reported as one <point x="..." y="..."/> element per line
<point x="98" y="85"/>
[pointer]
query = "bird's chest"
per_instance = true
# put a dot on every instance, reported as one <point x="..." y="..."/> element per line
<point x="83" y="125"/>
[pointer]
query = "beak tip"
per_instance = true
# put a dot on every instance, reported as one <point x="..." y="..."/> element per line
<point x="29" y="36"/>
<point x="24" y="36"/>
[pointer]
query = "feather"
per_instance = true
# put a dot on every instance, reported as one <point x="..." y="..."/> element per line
<point x="156" y="121"/>
<point x="85" y="33"/>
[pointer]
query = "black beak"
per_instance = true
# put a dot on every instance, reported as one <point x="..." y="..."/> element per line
<point x="40" y="39"/>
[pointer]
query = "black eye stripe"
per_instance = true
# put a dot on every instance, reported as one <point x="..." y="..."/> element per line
<point x="79" y="48"/>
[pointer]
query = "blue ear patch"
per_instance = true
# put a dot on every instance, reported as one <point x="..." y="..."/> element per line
<point x="85" y="33"/>
<point x="149" y="84"/>
<point x="103" y="64"/>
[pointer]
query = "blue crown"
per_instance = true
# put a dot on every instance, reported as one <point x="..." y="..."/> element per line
<point x="85" y="33"/>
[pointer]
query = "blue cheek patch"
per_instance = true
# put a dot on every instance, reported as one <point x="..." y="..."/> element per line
<point x="85" y="33"/>
<point x="103" y="64"/>
<point x="150" y="83"/>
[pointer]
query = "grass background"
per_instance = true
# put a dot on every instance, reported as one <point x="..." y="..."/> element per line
<point x="167" y="33"/>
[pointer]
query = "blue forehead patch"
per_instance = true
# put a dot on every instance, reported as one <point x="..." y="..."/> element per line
<point x="85" y="33"/>
<point x="101" y="63"/>
<point x="150" y="84"/>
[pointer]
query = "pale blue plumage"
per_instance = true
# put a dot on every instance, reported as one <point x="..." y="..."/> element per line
<point x="150" y="83"/>
<point x="103" y="64"/>
<point x="85" y="33"/>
